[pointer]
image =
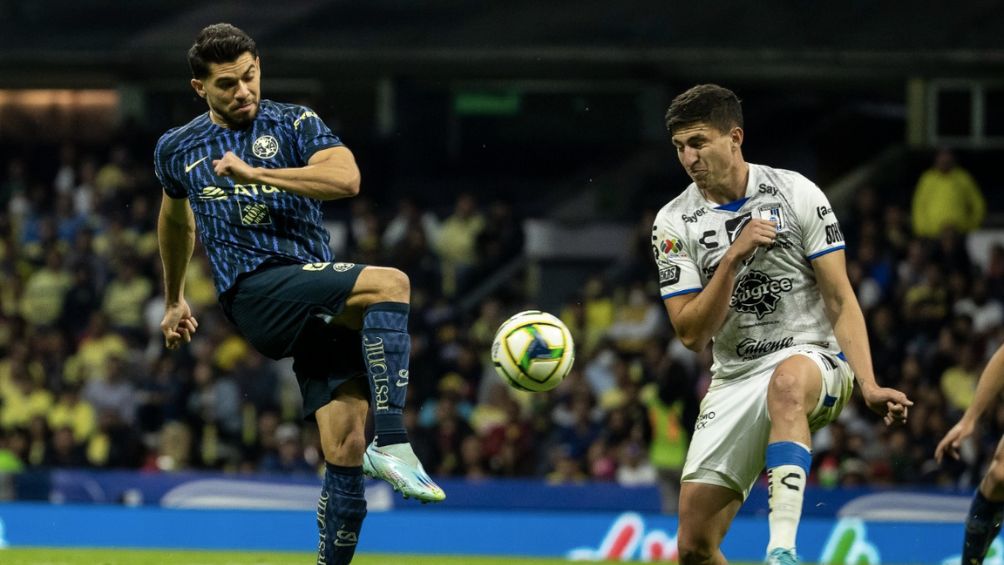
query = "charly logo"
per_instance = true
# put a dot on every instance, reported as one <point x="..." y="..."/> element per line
<point x="265" y="147"/>
<point x="758" y="294"/>
<point x="255" y="214"/>
<point x="750" y="348"/>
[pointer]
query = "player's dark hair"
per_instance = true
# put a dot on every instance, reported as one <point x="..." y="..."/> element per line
<point x="218" y="43"/>
<point x="714" y="105"/>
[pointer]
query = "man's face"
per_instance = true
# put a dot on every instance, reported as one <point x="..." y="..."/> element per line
<point x="706" y="153"/>
<point x="232" y="91"/>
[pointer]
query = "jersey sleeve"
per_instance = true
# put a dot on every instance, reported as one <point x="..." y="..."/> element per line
<point x="163" y="169"/>
<point x="678" y="274"/>
<point x="312" y="134"/>
<point x="820" y="230"/>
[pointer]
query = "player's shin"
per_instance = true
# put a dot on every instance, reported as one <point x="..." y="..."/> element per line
<point x="983" y="523"/>
<point x="386" y="347"/>
<point x="787" y="468"/>
<point x="340" y="513"/>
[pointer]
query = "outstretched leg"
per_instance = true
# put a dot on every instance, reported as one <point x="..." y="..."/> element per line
<point x="379" y="304"/>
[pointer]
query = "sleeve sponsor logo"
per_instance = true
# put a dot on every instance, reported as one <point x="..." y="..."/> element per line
<point x="669" y="275"/>
<point x="304" y="116"/>
<point x="672" y="247"/>
<point x="823" y="211"/>
<point x="833" y="234"/>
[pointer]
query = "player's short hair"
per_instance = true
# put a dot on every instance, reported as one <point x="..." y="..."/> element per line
<point x="714" y="105"/>
<point x="218" y="43"/>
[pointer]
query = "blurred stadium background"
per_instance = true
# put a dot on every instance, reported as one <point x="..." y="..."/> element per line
<point x="513" y="156"/>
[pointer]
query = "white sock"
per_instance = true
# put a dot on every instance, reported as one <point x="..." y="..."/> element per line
<point x="786" y="488"/>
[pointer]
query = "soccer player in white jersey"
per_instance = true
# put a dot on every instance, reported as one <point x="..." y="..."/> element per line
<point x="751" y="258"/>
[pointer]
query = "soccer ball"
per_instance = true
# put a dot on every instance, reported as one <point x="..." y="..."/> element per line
<point x="533" y="351"/>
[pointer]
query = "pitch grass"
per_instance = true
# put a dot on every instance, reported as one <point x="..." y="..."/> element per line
<point x="46" y="556"/>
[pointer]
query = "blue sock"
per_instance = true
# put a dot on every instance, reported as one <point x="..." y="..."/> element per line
<point x="788" y="465"/>
<point x="982" y="525"/>
<point x="386" y="347"/>
<point x="340" y="513"/>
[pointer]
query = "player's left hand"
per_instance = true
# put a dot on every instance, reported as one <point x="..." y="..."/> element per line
<point x="232" y="166"/>
<point x="889" y="403"/>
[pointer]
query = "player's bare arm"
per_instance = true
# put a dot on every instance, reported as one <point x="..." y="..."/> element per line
<point x="176" y="237"/>
<point x="696" y="318"/>
<point x="848" y="322"/>
<point x="988" y="390"/>
<point x="329" y="174"/>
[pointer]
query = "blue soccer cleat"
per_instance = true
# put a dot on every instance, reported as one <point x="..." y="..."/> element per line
<point x="781" y="556"/>
<point x="398" y="465"/>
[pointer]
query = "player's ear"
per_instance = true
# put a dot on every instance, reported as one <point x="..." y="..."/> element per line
<point x="199" y="88"/>
<point x="737" y="136"/>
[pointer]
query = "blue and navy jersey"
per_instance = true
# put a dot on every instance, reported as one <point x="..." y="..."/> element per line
<point x="243" y="225"/>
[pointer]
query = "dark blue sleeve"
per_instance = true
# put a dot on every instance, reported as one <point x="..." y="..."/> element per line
<point x="162" y="167"/>
<point x="311" y="133"/>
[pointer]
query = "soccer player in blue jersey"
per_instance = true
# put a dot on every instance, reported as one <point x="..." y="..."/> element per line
<point x="249" y="175"/>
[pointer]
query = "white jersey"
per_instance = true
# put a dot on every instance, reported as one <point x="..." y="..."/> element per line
<point x="776" y="303"/>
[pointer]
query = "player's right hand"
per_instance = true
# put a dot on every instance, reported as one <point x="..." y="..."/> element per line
<point x="953" y="439"/>
<point x="178" y="324"/>
<point x="757" y="233"/>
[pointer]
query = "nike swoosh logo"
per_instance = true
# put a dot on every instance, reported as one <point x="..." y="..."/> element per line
<point x="188" y="168"/>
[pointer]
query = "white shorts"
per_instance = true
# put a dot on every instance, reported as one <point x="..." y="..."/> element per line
<point x="730" y="438"/>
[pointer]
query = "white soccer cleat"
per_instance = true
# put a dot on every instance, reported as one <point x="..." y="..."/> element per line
<point x="398" y="465"/>
<point x="781" y="556"/>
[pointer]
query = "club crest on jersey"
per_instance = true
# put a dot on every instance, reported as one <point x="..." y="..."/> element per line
<point x="265" y="147"/>
<point x="774" y="213"/>
<point x="757" y="293"/>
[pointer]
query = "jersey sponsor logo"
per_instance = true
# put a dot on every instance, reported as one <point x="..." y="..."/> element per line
<point x="265" y="147"/>
<point x="749" y="349"/>
<point x="692" y="217"/>
<point x="767" y="189"/>
<point x="255" y="214"/>
<point x="315" y="266"/>
<point x="735" y="226"/>
<point x="213" y="193"/>
<point x="220" y="192"/>
<point x="710" y="271"/>
<point x="823" y="211"/>
<point x="669" y="275"/>
<point x="833" y="234"/>
<point x="376" y="365"/>
<point x="189" y="167"/>
<point x="709" y="239"/>
<point x="757" y="293"/>
<point x="773" y="213"/>
<point x="304" y="116"/>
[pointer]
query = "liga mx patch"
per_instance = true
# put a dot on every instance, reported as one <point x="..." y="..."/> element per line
<point x="669" y="275"/>
<point x="774" y="213"/>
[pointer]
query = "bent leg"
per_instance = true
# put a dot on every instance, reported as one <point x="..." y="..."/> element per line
<point x="342" y="505"/>
<point x="794" y="391"/>
<point x="986" y="513"/>
<point x="706" y="512"/>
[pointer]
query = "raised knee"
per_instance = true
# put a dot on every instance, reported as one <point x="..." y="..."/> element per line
<point x="995" y="478"/>
<point x="389" y="285"/>
<point x="785" y="388"/>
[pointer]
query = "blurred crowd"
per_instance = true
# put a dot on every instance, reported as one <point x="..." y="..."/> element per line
<point x="86" y="382"/>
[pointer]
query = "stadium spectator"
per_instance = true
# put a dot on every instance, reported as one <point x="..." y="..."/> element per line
<point x="946" y="198"/>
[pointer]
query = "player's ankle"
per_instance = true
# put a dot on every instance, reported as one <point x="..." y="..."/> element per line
<point x="391" y="438"/>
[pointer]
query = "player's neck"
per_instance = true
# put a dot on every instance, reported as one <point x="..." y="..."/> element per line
<point x="732" y="189"/>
